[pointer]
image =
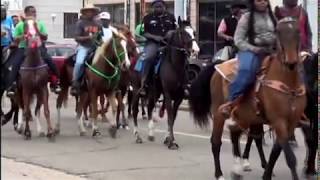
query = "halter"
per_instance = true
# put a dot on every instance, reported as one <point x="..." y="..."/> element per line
<point x="116" y="74"/>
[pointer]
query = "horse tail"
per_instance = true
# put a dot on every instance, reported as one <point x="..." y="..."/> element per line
<point x="200" y="97"/>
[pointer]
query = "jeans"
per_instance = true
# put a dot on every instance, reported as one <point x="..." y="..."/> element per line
<point x="78" y="71"/>
<point x="150" y="59"/>
<point x="249" y="65"/>
<point x="17" y="58"/>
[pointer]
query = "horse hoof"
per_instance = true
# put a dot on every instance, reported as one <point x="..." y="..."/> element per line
<point x="42" y="134"/>
<point x="82" y="133"/>
<point x="126" y="127"/>
<point x="309" y="173"/>
<point x="51" y="137"/>
<point x="96" y="133"/>
<point x="113" y="132"/>
<point x="173" y="146"/>
<point x="246" y="165"/>
<point x="27" y="135"/>
<point x="56" y="131"/>
<point x="144" y="117"/>
<point x="235" y="176"/>
<point x="139" y="140"/>
<point x="151" y="138"/>
<point x="166" y="141"/>
<point x="293" y="144"/>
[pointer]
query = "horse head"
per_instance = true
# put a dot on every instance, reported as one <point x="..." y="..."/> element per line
<point x="132" y="46"/>
<point x="31" y="34"/>
<point x="119" y="48"/>
<point x="288" y="42"/>
<point x="188" y="36"/>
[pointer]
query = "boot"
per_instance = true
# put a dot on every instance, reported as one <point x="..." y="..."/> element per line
<point x="57" y="87"/>
<point x="226" y="108"/>
<point x="11" y="90"/>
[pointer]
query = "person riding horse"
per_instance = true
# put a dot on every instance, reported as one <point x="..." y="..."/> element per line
<point x="254" y="37"/>
<point x="18" y="56"/>
<point x="156" y="25"/>
<point x="86" y="29"/>
<point x="227" y="28"/>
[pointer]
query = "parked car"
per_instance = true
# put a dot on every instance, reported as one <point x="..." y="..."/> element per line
<point x="196" y="64"/>
<point x="60" y="52"/>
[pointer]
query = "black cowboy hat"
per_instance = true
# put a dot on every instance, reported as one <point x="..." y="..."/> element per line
<point x="239" y="5"/>
<point x="156" y="1"/>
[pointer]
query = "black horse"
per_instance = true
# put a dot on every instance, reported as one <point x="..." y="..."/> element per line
<point x="14" y="110"/>
<point x="170" y="79"/>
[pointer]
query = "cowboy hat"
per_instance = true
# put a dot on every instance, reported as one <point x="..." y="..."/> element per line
<point x="90" y="7"/>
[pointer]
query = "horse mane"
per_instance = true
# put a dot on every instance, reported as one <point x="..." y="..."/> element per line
<point x="117" y="32"/>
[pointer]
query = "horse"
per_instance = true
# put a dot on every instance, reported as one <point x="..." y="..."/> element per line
<point x="102" y="77"/>
<point x="172" y="73"/>
<point x="33" y="80"/>
<point x="310" y="132"/>
<point x="14" y="109"/>
<point x="280" y="106"/>
<point x="66" y="73"/>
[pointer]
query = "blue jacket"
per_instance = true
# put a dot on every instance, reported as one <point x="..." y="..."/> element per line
<point x="7" y="26"/>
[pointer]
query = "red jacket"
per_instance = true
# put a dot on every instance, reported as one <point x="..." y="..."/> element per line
<point x="305" y="31"/>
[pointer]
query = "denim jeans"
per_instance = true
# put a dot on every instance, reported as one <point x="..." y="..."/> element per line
<point x="78" y="70"/>
<point x="149" y="60"/>
<point x="249" y="65"/>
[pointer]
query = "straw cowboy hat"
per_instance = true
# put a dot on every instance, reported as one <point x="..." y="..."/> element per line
<point x="90" y="7"/>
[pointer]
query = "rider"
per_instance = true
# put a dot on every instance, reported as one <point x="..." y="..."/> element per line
<point x="86" y="28"/>
<point x="19" y="55"/>
<point x="228" y="25"/>
<point x="156" y="25"/>
<point x="105" y="19"/>
<point x="254" y="37"/>
<point x="292" y="9"/>
<point x="6" y="28"/>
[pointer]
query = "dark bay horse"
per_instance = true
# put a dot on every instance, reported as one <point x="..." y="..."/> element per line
<point x="102" y="78"/>
<point x="34" y="78"/>
<point x="281" y="96"/>
<point x="172" y="75"/>
<point x="14" y="109"/>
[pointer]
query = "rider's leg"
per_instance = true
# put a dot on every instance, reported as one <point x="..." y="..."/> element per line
<point x="150" y="54"/>
<point x="17" y="59"/>
<point x="249" y="64"/>
<point x="46" y="57"/>
<point x="78" y="69"/>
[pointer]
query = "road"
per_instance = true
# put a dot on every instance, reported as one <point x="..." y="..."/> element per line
<point x="122" y="159"/>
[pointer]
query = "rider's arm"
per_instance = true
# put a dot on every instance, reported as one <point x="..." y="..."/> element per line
<point x="42" y="31"/>
<point x="241" y="35"/>
<point x="79" y="33"/>
<point x="147" y="28"/>
<point x="222" y="29"/>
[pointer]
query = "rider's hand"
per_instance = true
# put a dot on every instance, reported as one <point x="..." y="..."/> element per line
<point x="3" y="34"/>
<point x="258" y="50"/>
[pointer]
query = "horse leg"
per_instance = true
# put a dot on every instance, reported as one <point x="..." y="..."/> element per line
<point x="46" y="111"/>
<point x="245" y="156"/>
<point x="311" y="151"/>
<point x="114" y="106"/>
<point x="94" y="113"/>
<point x="217" y="130"/>
<point x="275" y="153"/>
<point x="129" y="98"/>
<point x="80" y="113"/>
<point x="27" y="115"/>
<point x="118" y="125"/>
<point x="143" y="105"/>
<point x="37" y="117"/>
<point x="237" y="170"/>
<point x="259" y="143"/>
<point x="135" y="111"/>
<point x="63" y="95"/>
<point x="16" y="116"/>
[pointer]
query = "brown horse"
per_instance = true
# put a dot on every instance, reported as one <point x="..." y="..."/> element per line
<point x="102" y="78"/>
<point x="34" y="78"/>
<point x="66" y="73"/>
<point x="281" y="95"/>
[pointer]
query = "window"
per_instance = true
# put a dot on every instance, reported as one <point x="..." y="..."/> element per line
<point x="69" y="24"/>
<point x="116" y="11"/>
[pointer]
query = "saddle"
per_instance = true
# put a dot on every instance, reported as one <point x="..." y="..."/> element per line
<point x="139" y="67"/>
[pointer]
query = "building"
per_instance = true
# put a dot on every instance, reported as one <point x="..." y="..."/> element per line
<point x="58" y="16"/>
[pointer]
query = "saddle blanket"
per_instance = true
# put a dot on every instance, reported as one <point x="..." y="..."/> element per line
<point x="229" y="69"/>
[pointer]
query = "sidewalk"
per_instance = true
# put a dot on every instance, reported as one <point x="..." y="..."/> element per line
<point x="12" y="170"/>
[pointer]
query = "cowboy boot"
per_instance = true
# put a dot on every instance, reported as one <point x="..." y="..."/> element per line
<point x="226" y="108"/>
<point x="11" y="90"/>
<point x="75" y="88"/>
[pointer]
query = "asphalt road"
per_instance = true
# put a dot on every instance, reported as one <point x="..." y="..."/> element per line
<point x="122" y="159"/>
